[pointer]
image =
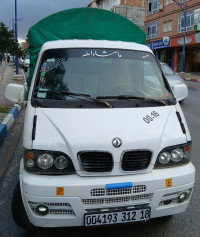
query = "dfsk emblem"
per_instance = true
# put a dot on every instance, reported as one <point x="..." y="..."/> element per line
<point x="117" y="142"/>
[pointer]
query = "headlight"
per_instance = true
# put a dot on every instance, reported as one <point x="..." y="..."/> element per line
<point x="61" y="162"/>
<point x="164" y="158"/>
<point x="177" y="155"/>
<point x="174" y="156"/>
<point x="47" y="162"/>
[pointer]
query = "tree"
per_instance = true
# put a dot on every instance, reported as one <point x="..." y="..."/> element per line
<point x="8" y="42"/>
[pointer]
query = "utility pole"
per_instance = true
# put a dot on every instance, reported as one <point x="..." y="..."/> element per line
<point x="16" y="37"/>
<point x="184" y="9"/>
<point x="126" y="9"/>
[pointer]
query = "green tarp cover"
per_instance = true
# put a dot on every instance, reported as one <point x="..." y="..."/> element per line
<point x="82" y="23"/>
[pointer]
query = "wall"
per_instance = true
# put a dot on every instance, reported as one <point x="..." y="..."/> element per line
<point x="108" y="4"/>
<point x="134" y="14"/>
<point x="131" y="9"/>
<point x="170" y="12"/>
<point x="137" y="3"/>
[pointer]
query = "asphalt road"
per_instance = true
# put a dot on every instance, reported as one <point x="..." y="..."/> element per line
<point x="185" y="224"/>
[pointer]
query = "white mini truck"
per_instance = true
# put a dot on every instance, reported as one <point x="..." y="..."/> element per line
<point x="103" y="144"/>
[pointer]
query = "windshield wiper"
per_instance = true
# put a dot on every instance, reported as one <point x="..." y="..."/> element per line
<point x="127" y="97"/>
<point x="73" y="94"/>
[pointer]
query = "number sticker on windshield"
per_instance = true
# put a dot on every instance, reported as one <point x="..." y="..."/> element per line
<point x="150" y="118"/>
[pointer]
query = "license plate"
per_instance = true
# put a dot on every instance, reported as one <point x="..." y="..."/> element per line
<point x="110" y="218"/>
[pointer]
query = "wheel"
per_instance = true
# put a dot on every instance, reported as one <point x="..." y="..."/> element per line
<point x="18" y="211"/>
<point x="25" y="69"/>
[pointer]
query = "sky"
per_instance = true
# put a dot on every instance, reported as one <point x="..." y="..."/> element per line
<point x="30" y="12"/>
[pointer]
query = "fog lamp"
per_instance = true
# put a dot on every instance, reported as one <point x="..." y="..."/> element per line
<point x="183" y="196"/>
<point x="45" y="161"/>
<point x="167" y="202"/>
<point x="42" y="209"/>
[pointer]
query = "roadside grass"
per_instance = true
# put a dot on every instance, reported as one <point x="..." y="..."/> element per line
<point x="5" y="109"/>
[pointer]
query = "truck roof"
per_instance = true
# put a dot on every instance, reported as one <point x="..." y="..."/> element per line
<point x="94" y="44"/>
<point x="83" y="24"/>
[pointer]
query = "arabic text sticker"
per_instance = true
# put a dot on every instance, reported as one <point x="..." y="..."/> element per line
<point x="102" y="55"/>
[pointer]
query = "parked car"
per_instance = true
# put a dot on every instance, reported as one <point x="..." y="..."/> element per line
<point x="21" y="62"/>
<point x="26" y="63"/>
<point x="174" y="79"/>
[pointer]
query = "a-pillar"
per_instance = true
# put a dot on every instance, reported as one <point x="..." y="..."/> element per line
<point x="176" y="59"/>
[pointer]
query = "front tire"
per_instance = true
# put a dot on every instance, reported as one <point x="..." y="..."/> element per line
<point x="18" y="211"/>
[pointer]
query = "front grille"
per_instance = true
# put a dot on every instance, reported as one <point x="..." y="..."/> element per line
<point x="136" y="160"/>
<point x="96" y="161"/>
<point x="100" y="192"/>
<point x="122" y="200"/>
<point x="116" y="208"/>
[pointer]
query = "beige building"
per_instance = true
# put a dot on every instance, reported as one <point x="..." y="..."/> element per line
<point x="131" y="9"/>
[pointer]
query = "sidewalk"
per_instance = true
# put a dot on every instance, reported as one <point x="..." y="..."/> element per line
<point x="8" y="110"/>
<point x="193" y="76"/>
<point x="1" y="69"/>
<point x="4" y="103"/>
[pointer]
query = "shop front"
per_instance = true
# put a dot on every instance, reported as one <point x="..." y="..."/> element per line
<point x="163" y="51"/>
<point x="171" y="52"/>
<point x="192" y="53"/>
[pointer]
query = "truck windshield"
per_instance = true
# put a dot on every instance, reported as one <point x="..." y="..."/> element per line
<point x="99" y="73"/>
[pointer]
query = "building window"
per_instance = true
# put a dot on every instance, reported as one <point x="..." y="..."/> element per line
<point x="189" y="22"/>
<point x="167" y="26"/>
<point x="152" y="30"/>
<point x="197" y="16"/>
<point x="152" y="6"/>
<point x="181" y="1"/>
<point x="169" y="2"/>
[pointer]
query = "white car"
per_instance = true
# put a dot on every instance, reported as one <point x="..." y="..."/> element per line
<point x="21" y="61"/>
<point x="26" y="63"/>
<point x="174" y="79"/>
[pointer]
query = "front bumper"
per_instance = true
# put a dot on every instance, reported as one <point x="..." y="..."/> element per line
<point x="80" y="195"/>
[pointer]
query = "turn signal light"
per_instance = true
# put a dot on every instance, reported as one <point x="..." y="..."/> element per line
<point x="29" y="155"/>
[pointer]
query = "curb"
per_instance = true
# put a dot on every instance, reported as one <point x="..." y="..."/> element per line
<point x="191" y="79"/>
<point x="8" y="121"/>
<point x="12" y="116"/>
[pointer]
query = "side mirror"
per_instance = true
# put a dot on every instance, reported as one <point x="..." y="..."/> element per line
<point x="15" y="93"/>
<point x="180" y="90"/>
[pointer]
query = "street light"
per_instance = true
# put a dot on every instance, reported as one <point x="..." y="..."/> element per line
<point x="184" y="9"/>
<point x="13" y="22"/>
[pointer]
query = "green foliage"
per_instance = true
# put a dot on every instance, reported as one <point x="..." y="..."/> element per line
<point x="8" y="42"/>
<point x="24" y="52"/>
<point x="5" y="109"/>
